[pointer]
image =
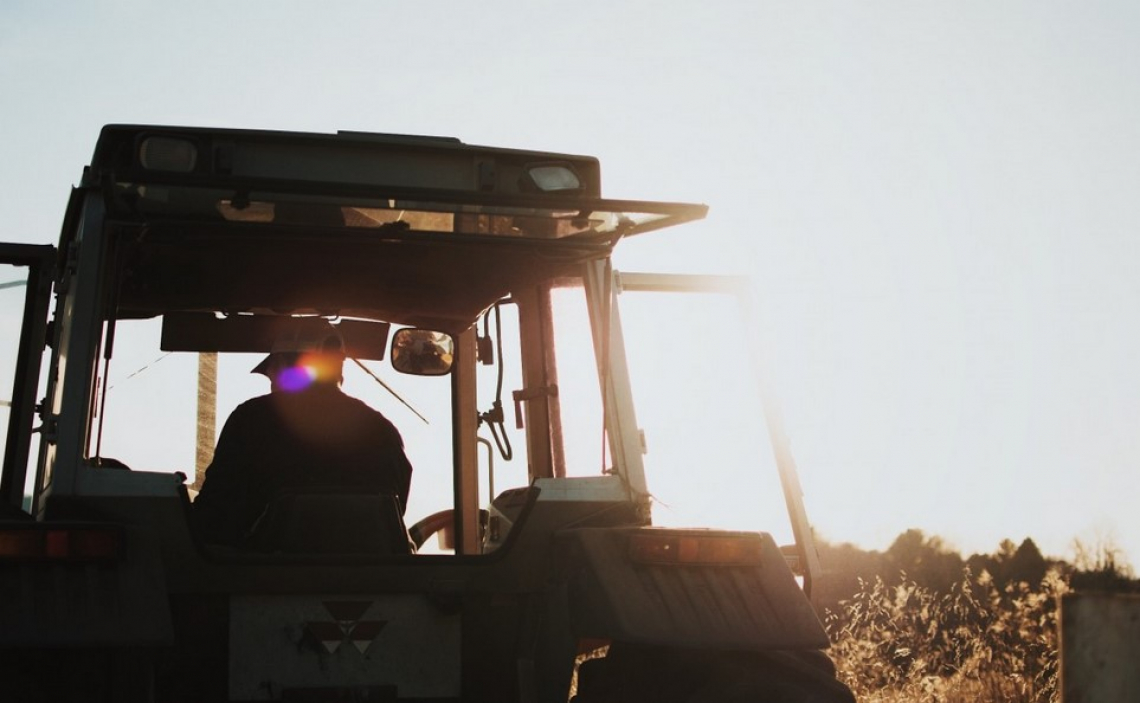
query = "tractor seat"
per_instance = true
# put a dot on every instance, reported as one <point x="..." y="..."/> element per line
<point x="330" y="521"/>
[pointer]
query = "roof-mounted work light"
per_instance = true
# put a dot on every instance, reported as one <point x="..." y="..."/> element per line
<point x="550" y="178"/>
<point x="168" y="154"/>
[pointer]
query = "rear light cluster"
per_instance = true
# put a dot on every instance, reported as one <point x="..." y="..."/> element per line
<point x="62" y="544"/>
<point x="693" y="549"/>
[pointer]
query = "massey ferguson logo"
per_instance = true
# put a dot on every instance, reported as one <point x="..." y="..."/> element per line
<point x="346" y="626"/>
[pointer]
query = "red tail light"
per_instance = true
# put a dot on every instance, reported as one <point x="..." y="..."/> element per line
<point x="693" y="549"/>
<point x="40" y="543"/>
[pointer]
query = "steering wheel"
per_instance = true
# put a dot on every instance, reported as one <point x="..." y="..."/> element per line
<point x="428" y="526"/>
<point x="444" y="520"/>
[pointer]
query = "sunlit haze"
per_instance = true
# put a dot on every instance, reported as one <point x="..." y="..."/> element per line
<point x="936" y="203"/>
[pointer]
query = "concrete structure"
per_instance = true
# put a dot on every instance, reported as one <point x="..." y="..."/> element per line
<point x="1100" y="648"/>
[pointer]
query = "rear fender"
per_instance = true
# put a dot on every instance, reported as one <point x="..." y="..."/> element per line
<point x="745" y="598"/>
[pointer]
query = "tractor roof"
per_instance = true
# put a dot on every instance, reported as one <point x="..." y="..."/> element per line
<point x="421" y="230"/>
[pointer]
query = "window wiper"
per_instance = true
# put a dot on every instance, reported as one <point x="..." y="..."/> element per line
<point x="390" y="390"/>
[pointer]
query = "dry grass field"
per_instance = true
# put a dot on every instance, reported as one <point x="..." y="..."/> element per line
<point x="979" y="643"/>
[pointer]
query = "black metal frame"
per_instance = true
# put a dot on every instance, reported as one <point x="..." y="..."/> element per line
<point x="40" y="260"/>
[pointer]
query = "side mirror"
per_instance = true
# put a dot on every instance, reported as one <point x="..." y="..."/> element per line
<point x="422" y="352"/>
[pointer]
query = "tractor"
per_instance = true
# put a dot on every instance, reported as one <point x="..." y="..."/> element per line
<point x="478" y="303"/>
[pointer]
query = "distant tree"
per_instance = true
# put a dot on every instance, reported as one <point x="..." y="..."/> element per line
<point x="1011" y="563"/>
<point x="845" y="568"/>
<point x="1101" y="567"/>
<point x="981" y="563"/>
<point x="927" y="561"/>
<point x="1027" y="565"/>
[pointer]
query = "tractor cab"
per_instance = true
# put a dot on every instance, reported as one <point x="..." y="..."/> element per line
<point x="189" y="251"/>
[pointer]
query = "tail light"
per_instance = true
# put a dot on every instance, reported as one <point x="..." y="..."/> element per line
<point x="60" y="544"/>
<point x="681" y="549"/>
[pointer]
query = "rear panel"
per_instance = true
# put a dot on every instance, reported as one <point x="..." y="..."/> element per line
<point x="746" y="598"/>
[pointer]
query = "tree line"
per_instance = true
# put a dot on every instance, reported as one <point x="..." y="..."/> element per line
<point x="930" y="563"/>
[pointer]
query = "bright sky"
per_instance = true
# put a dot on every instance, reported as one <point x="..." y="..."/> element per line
<point x="937" y="201"/>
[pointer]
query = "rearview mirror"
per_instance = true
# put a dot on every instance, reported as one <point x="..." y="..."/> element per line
<point x="422" y="352"/>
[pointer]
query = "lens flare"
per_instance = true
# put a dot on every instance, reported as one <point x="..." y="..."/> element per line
<point x="296" y="378"/>
<point x="308" y="369"/>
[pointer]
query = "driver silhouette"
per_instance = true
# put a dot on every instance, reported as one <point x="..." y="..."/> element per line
<point x="305" y="433"/>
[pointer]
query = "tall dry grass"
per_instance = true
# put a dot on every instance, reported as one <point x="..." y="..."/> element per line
<point x="980" y="642"/>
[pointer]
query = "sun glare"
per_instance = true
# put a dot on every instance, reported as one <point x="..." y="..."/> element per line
<point x="296" y="378"/>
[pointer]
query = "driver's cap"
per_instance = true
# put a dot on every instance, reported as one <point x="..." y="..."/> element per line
<point x="318" y="337"/>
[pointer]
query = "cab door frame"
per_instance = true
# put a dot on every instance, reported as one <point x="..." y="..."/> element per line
<point x="805" y="559"/>
<point x="40" y="260"/>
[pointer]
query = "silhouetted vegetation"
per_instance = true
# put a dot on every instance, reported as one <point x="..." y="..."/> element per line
<point x="920" y="623"/>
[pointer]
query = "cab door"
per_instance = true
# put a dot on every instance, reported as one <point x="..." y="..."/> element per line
<point x="26" y="275"/>
<point x="705" y="386"/>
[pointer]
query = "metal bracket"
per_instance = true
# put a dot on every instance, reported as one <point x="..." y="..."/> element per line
<point x="527" y="394"/>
